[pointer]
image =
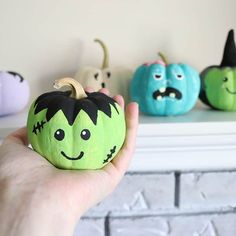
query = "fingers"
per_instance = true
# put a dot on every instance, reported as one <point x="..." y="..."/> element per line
<point x="120" y="100"/>
<point x="105" y="91"/>
<point x="89" y="89"/>
<point x="122" y="160"/>
<point x="19" y="136"/>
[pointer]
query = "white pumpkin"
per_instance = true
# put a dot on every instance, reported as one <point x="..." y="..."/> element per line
<point x="115" y="79"/>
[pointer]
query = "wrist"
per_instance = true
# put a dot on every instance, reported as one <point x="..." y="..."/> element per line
<point x="32" y="211"/>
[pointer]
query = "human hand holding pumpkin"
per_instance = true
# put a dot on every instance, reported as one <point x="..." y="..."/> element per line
<point x="38" y="199"/>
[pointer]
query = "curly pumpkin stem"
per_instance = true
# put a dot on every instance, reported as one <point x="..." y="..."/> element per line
<point x="76" y="88"/>
<point x="163" y="58"/>
<point x="105" y="63"/>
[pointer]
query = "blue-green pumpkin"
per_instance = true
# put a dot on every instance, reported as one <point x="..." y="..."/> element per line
<point x="163" y="89"/>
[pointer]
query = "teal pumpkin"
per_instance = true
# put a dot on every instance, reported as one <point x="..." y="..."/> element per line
<point x="163" y="89"/>
<point x="218" y="83"/>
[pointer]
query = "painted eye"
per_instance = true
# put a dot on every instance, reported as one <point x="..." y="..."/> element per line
<point x="59" y="134"/>
<point x="85" y="134"/>
<point x="157" y="76"/>
<point x="96" y="76"/>
<point x="108" y="74"/>
<point x="225" y="79"/>
<point x="179" y="76"/>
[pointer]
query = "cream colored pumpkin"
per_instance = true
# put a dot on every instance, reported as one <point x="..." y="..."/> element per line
<point x="115" y="79"/>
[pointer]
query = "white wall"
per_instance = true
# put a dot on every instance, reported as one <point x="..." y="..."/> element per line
<point x="48" y="39"/>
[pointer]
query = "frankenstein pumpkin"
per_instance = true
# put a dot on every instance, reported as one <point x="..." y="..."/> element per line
<point x="75" y="130"/>
<point x="14" y="93"/>
<point x="115" y="79"/>
<point x="164" y="89"/>
<point x="218" y="83"/>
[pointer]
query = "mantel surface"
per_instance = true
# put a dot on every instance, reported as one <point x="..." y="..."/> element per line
<point x="203" y="139"/>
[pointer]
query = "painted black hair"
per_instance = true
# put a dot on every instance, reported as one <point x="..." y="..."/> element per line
<point x="59" y="100"/>
<point x="15" y="74"/>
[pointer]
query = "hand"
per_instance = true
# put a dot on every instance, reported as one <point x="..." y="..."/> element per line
<point x="36" y="198"/>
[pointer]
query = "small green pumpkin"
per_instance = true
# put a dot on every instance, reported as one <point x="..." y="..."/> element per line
<point x="218" y="83"/>
<point x="75" y="130"/>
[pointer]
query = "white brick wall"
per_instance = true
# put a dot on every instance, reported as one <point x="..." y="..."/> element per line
<point x="90" y="227"/>
<point x="144" y="204"/>
<point x="139" y="193"/>
<point x="211" y="190"/>
<point x="197" y="225"/>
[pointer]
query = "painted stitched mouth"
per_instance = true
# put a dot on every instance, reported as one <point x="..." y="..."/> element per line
<point x="110" y="155"/>
<point x="234" y="93"/>
<point x="167" y="92"/>
<point x="73" y="158"/>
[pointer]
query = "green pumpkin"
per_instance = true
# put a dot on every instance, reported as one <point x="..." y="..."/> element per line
<point x="218" y="83"/>
<point x="75" y="130"/>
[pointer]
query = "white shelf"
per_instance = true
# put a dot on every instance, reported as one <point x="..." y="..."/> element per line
<point x="200" y="140"/>
<point x="203" y="139"/>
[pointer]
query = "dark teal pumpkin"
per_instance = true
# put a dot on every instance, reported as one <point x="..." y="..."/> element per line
<point x="165" y="89"/>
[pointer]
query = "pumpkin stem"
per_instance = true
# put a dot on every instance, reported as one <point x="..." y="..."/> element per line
<point x="163" y="57"/>
<point x="105" y="63"/>
<point x="77" y="89"/>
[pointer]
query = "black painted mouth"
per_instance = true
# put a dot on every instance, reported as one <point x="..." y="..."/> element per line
<point x="73" y="158"/>
<point x="103" y="85"/>
<point x="109" y="156"/>
<point x="168" y="92"/>
<point x="234" y="93"/>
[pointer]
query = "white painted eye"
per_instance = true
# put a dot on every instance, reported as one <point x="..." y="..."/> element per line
<point x="157" y="76"/>
<point x="179" y="76"/>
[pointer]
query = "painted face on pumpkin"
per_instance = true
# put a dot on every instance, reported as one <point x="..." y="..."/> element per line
<point x="165" y="90"/>
<point x="220" y="87"/>
<point x="82" y="139"/>
<point x="168" y="84"/>
<point x="91" y="77"/>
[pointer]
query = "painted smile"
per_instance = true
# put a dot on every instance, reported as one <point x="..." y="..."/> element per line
<point x="234" y="93"/>
<point x="73" y="158"/>
<point x="167" y="92"/>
